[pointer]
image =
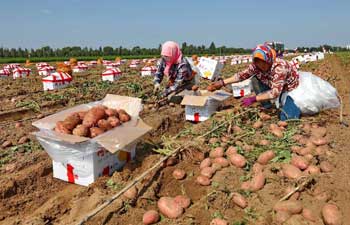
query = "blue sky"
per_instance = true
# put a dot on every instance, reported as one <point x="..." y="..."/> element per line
<point x="36" y="23"/>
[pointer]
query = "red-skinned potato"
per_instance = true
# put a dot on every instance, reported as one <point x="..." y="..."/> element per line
<point x="216" y="166"/>
<point x="309" y="215"/>
<point x="81" y="131"/>
<point x="257" y="168"/>
<point x="238" y="160"/>
<point x="265" y="157"/>
<point x="179" y="174"/>
<point x="239" y="200"/>
<point x="60" y="128"/>
<point x="131" y="193"/>
<point x="183" y="201"/>
<point x="150" y="217"/>
<point x="216" y="152"/>
<point x="203" y="180"/>
<point x="326" y="167"/>
<point x="319" y="140"/>
<point x="113" y="121"/>
<point x="124" y="117"/>
<point x="290" y="206"/>
<point x="294" y="196"/>
<point x="71" y="121"/>
<point x="93" y="116"/>
<point x="264" y="142"/>
<point x="169" y="208"/>
<point x="258" y="182"/>
<point x="258" y="124"/>
<point x="95" y="131"/>
<point x="231" y="150"/>
<point x="281" y="217"/>
<point x="331" y="215"/>
<point x="291" y="171"/>
<point x="205" y="163"/>
<point x="245" y="186"/>
<point x="282" y="124"/>
<point x="82" y="115"/>
<point x="299" y="162"/>
<point x="222" y="162"/>
<point x="104" y="125"/>
<point x="111" y="112"/>
<point x="264" y="116"/>
<point x="313" y="170"/>
<point x="208" y="172"/>
<point x="318" y="132"/>
<point x="218" y="221"/>
<point x="278" y="133"/>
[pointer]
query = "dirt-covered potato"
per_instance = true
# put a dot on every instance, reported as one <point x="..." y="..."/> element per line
<point x="124" y="117"/>
<point x="95" y="131"/>
<point x="60" y="128"/>
<point x="113" y="121"/>
<point x="71" y="121"/>
<point x="81" y="131"/>
<point x="93" y="116"/>
<point x="104" y="125"/>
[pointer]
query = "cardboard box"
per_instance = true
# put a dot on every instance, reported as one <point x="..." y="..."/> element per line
<point x="242" y="88"/>
<point x="111" y="74"/>
<point x="56" y="80"/>
<point x="80" y="68"/>
<point x="209" y="68"/>
<point x="46" y="71"/>
<point x="82" y="160"/>
<point x="148" y="71"/>
<point x="200" y="105"/>
<point x="20" y="72"/>
<point x="5" y="73"/>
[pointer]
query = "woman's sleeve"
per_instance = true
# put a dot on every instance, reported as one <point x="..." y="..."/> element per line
<point x="183" y="73"/>
<point x="158" y="76"/>
<point x="245" y="74"/>
<point x="279" y="75"/>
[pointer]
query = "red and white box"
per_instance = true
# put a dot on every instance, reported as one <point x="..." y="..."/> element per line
<point x="242" y="88"/>
<point x="113" y="65"/>
<point x="41" y="65"/>
<point x="111" y="74"/>
<point x="106" y="62"/>
<point x="12" y="66"/>
<point x="5" y="73"/>
<point x="80" y="68"/>
<point x="82" y="160"/>
<point x="56" y="80"/>
<point x="20" y="72"/>
<point x="200" y="105"/>
<point x="92" y="64"/>
<point x="46" y="71"/>
<point x="148" y="71"/>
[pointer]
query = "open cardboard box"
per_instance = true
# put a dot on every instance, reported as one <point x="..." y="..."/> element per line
<point x="82" y="160"/>
<point x="200" y="105"/>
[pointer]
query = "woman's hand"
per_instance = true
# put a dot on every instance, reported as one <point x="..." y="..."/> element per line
<point x="246" y="102"/>
<point x="216" y="85"/>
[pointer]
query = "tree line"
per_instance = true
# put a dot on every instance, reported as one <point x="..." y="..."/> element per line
<point x="187" y="49"/>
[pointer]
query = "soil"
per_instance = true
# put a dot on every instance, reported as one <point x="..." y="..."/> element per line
<point x="30" y="195"/>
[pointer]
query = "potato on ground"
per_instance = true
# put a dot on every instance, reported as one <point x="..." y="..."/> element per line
<point x="150" y="217"/>
<point x="258" y="124"/>
<point x="309" y="215"/>
<point x="222" y="162"/>
<point x="299" y="162"/>
<point x="238" y="160"/>
<point x="131" y="193"/>
<point x="205" y="163"/>
<point x="183" y="201"/>
<point x="239" y="200"/>
<point x="331" y="215"/>
<point x="179" y="174"/>
<point x="257" y="182"/>
<point x="216" y="152"/>
<point x="203" y="180"/>
<point x="208" y="172"/>
<point x="291" y="171"/>
<point x="218" y="221"/>
<point x="265" y="157"/>
<point x="169" y="208"/>
<point x="290" y="206"/>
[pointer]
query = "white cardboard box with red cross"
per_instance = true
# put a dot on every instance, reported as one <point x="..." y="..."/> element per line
<point x="82" y="160"/>
<point x="242" y="88"/>
<point x="200" y="105"/>
<point x="56" y="80"/>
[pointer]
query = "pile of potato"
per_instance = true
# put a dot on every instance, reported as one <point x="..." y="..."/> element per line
<point x="93" y="122"/>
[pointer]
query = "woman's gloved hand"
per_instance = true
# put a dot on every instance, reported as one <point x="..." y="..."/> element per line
<point x="216" y="85"/>
<point x="246" y="102"/>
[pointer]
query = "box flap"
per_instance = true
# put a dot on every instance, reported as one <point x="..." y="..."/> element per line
<point x="122" y="136"/>
<point x="193" y="100"/>
<point x="199" y="98"/>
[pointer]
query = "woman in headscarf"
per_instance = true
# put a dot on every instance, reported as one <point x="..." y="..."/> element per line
<point x="274" y="76"/>
<point x="175" y="67"/>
